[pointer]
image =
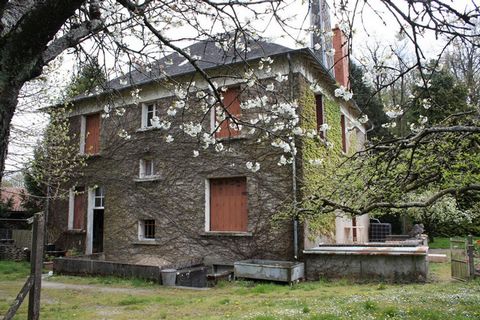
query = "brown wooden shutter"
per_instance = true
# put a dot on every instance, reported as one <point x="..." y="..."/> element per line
<point x="228" y="204"/>
<point x="232" y="104"/>
<point x="79" y="208"/>
<point x="320" y="114"/>
<point x="92" y="134"/>
<point x="344" y="133"/>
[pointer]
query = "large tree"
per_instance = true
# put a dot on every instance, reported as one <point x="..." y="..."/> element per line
<point x="34" y="32"/>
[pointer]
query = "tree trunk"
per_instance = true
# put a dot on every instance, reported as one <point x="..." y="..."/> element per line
<point x="8" y="103"/>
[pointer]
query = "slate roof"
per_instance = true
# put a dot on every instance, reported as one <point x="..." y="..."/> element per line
<point x="209" y="56"/>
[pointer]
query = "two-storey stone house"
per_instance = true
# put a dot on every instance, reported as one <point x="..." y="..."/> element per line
<point x="171" y="177"/>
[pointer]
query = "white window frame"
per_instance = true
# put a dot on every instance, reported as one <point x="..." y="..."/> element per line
<point x="141" y="230"/>
<point x="145" y="124"/>
<point x="101" y="196"/>
<point x="83" y="129"/>
<point x="207" y="205"/>
<point x="71" y="207"/>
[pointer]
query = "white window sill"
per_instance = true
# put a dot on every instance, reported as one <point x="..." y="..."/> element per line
<point x="76" y="231"/>
<point x="232" y="138"/>
<point x="144" y="129"/>
<point x="147" y="179"/>
<point x="226" y="234"/>
<point x="147" y="242"/>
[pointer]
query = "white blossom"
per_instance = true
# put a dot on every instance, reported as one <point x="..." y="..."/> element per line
<point x="316" y="162"/>
<point x="389" y="125"/>
<point x="219" y="147"/>
<point x="282" y="161"/>
<point x="169" y="139"/>
<point x="423" y="119"/>
<point x="280" y="77"/>
<point x="124" y="134"/>
<point x="343" y="93"/>
<point x="254" y="167"/>
<point x="180" y="92"/>
<point x="192" y="129"/>
<point x="363" y="119"/>
<point x="324" y="127"/>
<point x="171" y="112"/>
<point x="394" y="112"/>
<point x="120" y="111"/>
<point x="297" y="131"/>
<point x="330" y="52"/>
<point x="270" y="87"/>
<point x="317" y="46"/>
<point x="195" y="153"/>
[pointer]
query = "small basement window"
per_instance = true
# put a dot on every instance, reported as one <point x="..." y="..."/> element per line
<point x="147" y="169"/>
<point x="146" y="229"/>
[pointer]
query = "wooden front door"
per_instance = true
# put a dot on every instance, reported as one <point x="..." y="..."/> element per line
<point x="228" y="204"/>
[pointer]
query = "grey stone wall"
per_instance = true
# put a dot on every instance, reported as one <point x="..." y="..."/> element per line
<point x="390" y="268"/>
<point x="177" y="199"/>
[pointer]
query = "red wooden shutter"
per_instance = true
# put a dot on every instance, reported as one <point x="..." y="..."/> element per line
<point x="320" y="114"/>
<point x="92" y="134"/>
<point x="344" y="133"/>
<point x="79" y="208"/>
<point x="232" y="104"/>
<point x="228" y="204"/>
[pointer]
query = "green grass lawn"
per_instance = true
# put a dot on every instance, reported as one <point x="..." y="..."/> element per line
<point x="439" y="299"/>
<point x="444" y="242"/>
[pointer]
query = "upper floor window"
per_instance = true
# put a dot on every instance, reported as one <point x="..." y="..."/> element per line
<point x="149" y="112"/>
<point x="227" y="127"/>
<point x="90" y="134"/>
<point x="320" y="113"/>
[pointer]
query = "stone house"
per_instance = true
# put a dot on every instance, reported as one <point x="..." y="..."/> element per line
<point x="170" y="177"/>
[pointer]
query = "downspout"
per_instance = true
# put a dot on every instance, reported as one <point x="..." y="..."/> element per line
<point x="294" y="169"/>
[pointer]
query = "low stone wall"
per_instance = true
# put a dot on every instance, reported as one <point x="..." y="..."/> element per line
<point x="82" y="267"/>
<point x="85" y="266"/>
<point x="367" y="266"/>
<point x="8" y="251"/>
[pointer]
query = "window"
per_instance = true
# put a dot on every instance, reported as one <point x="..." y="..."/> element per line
<point x="227" y="127"/>
<point x="146" y="229"/>
<point x="99" y="198"/>
<point x="90" y="134"/>
<point x="320" y="112"/>
<point x="228" y="205"/>
<point x="77" y="208"/>
<point x="149" y="111"/>
<point x="343" y="125"/>
<point x="147" y="168"/>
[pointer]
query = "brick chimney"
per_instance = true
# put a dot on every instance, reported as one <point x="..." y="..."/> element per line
<point x="340" y="44"/>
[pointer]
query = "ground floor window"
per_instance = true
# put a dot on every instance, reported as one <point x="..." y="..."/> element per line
<point x="228" y="205"/>
<point x="146" y="229"/>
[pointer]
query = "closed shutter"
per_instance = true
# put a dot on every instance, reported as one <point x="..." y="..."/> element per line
<point x="344" y="133"/>
<point x="79" y="209"/>
<point x="228" y="204"/>
<point x="92" y="134"/>
<point x="232" y="104"/>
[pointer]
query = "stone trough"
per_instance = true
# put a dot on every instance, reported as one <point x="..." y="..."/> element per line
<point x="272" y="270"/>
<point x="391" y="262"/>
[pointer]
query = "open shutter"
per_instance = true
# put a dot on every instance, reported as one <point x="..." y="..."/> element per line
<point x="79" y="210"/>
<point x="228" y="204"/>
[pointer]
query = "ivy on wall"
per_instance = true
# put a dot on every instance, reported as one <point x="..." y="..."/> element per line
<point x="320" y="159"/>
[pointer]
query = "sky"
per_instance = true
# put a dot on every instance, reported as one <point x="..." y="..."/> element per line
<point x="30" y="125"/>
